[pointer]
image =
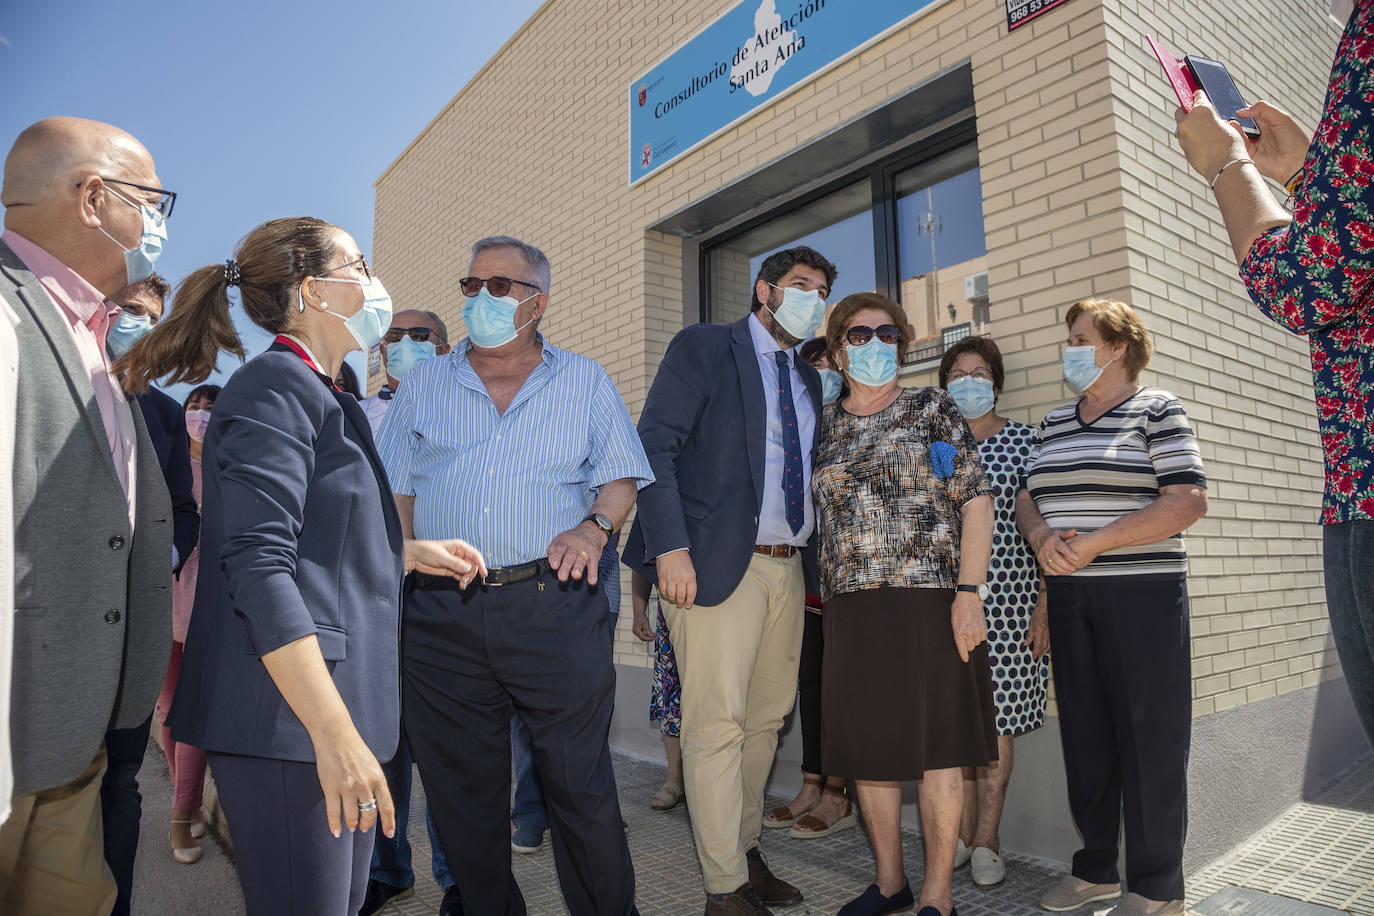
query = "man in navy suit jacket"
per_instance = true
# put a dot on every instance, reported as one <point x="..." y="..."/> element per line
<point x="121" y="805"/>
<point x="726" y="531"/>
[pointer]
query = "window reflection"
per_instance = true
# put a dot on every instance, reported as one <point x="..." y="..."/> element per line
<point x="942" y="252"/>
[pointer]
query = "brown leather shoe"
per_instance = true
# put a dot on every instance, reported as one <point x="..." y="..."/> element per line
<point x="771" y="889"/>
<point x="743" y="902"/>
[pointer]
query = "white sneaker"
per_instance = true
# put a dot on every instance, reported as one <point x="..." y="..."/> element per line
<point x="986" y="868"/>
<point x="961" y="855"/>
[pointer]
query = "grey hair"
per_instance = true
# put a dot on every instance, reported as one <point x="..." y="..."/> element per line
<point x="536" y="262"/>
<point x="438" y="323"/>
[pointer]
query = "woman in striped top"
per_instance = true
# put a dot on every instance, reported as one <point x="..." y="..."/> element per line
<point x="1113" y="481"/>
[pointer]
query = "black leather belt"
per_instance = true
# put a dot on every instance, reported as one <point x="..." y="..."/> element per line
<point x="501" y="575"/>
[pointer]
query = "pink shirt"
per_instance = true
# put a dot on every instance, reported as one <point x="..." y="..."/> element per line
<point x="89" y="316"/>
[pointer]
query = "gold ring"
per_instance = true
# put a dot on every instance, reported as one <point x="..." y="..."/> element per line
<point x="582" y="554"/>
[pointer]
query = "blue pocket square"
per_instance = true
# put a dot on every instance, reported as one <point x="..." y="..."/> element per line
<point x="942" y="459"/>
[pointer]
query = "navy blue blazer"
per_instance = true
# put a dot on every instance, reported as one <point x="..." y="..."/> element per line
<point x="166" y="423"/>
<point x="301" y="536"/>
<point x="703" y="425"/>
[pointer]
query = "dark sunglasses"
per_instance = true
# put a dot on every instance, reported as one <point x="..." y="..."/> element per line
<point x="419" y="335"/>
<point x="499" y="286"/>
<point x="861" y="334"/>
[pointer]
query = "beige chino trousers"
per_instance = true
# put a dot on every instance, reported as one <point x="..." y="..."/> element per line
<point x="52" y="851"/>
<point x="737" y="662"/>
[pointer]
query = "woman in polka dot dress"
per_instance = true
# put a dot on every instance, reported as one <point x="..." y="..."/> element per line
<point x="1018" y="622"/>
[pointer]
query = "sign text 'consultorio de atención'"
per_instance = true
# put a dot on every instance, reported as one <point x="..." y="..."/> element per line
<point x="756" y="52"/>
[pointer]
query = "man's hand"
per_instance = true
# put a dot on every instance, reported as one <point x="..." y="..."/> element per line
<point x="970" y="626"/>
<point x="577" y="551"/>
<point x="1282" y="147"/>
<point x="1207" y="140"/>
<point x="455" y="558"/>
<point x="677" y="578"/>
<point x="641" y="627"/>
<point x="1054" y="554"/>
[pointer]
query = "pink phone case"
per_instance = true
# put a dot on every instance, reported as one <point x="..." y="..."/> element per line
<point x="1177" y="72"/>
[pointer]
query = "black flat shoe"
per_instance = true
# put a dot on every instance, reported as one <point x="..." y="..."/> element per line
<point x="872" y="903"/>
<point x="452" y="905"/>
<point x="379" y="894"/>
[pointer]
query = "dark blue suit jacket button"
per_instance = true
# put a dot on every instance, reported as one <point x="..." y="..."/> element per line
<point x="112" y="616"/>
<point x="116" y="543"/>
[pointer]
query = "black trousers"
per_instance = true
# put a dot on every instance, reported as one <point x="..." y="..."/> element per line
<point x="289" y="863"/>
<point x="809" y="692"/>
<point x="1123" y="682"/>
<point x="538" y="648"/>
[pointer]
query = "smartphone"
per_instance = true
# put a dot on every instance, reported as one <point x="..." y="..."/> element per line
<point x="1222" y="91"/>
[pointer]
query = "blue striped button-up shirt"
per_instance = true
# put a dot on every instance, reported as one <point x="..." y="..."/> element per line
<point x="507" y="483"/>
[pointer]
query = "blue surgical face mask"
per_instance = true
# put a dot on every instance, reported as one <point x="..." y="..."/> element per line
<point x="369" y="323"/>
<point x="972" y="395"/>
<point x="873" y="364"/>
<point x="139" y="261"/>
<point x="125" y="332"/>
<point x="801" y="311"/>
<point x="405" y="354"/>
<point x="1081" y="370"/>
<point x="491" y="319"/>
<point x="830" y="385"/>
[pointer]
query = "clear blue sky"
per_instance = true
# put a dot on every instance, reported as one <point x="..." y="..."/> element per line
<point x="251" y="109"/>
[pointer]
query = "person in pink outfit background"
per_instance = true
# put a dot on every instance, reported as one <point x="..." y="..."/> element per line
<point x="186" y="763"/>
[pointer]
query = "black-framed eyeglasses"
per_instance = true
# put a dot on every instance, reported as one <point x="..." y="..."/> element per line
<point x="419" y="335"/>
<point x="861" y="334"/>
<point x="360" y="262"/>
<point x="499" y="286"/>
<point x="166" y="200"/>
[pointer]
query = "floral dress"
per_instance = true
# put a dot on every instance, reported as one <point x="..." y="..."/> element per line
<point x="1020" y="683"/>
<point x="1315" y="276"/>
<point x="665" y="702"/>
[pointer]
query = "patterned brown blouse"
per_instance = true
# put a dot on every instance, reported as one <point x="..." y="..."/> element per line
<point x="888" y="492"/>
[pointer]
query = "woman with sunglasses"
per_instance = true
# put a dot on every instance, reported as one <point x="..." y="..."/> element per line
<point x="905" y="520"/>
<point x="290" y="678"/>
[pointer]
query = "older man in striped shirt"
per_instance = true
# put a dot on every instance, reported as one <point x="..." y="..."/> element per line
<point x="503" y="442"/>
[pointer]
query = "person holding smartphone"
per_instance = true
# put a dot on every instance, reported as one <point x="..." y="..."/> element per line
<point x="1312" y="271"/>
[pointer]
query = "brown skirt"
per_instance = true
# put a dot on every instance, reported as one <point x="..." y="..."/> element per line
<point x="896" y="700"/>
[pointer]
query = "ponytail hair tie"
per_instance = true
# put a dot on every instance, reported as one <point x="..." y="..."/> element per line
<point x="231" y="272"/>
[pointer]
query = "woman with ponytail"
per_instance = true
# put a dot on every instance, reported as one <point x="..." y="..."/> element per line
<point x="289" y="678"/>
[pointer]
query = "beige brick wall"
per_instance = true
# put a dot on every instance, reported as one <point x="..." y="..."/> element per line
<point x="1084" y="194"/>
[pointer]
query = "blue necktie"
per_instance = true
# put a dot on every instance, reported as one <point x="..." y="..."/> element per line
<point x="792" y="487"/>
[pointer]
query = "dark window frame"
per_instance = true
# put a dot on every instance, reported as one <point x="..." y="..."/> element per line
<point x="882" y="176"/>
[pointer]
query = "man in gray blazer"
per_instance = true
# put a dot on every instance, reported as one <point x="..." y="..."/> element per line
<point x="92" y="518"/>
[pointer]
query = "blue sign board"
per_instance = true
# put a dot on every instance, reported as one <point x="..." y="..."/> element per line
<point x="752" y="55"/>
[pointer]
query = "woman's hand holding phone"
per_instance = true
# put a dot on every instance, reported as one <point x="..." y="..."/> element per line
<point x="1282" y="147"/>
